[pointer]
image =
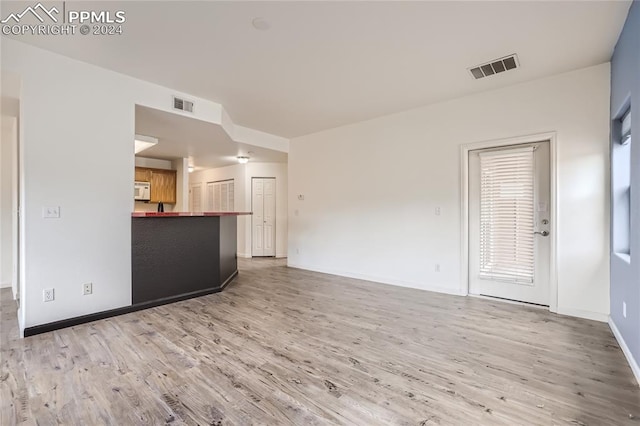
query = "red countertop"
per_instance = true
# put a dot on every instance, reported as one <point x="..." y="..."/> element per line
<point x="187" y="214"/>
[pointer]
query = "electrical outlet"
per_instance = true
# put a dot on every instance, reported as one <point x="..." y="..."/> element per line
<point x="437" y="267"/>
<point x="624" y="309"/>
<point x="51" y="212"/>
<point x="87" y="288"/>
<point x="297" y="251"/>
<point x="48" y="295"/>
<point x="437" y="211"/>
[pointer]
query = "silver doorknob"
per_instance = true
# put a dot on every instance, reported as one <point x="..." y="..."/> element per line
<point x="543" y="233"/>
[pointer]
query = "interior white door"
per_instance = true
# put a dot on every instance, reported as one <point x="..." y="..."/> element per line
<point x="263" y="206"/>
<point x="509" y="214"/>
<point x="195" y="197"/>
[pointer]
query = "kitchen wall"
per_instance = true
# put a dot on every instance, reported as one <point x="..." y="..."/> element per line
<point x="62" y="102"/>
<point x="625" y="270"/>
<point x="242" y="175"/>
<point x="371" y="188"/>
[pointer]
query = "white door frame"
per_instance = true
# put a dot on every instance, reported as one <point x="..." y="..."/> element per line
<point x="553" y="216"/>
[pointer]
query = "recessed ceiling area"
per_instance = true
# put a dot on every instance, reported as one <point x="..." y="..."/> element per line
<point x="206" y="145"/>
<point x="302" y="67"/>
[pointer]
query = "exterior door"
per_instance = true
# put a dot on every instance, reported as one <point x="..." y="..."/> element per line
<point x="509" y="214"/>
<point x="263" y="220"/>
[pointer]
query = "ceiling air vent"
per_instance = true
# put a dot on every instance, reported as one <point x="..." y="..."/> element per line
<point x="495" y="67"/>
<point x="182" y="104"/>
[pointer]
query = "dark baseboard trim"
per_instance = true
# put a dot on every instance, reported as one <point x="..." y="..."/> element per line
<point x="57" y="325"/>
<point x="226" y="283"/>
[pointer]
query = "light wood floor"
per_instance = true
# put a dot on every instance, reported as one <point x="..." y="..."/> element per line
<point x="284" y="346"/>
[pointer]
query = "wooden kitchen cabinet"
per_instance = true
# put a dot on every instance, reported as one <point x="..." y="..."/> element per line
<point x="163" y="184"/>
<point x="143" y="174"/>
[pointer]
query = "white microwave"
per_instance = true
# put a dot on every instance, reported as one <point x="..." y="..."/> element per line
<point x="142" y="191"/>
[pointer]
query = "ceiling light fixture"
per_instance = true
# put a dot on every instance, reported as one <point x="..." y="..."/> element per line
<point x="242" y="159"/>
<point x="144" y="142"/>
<point x="191" y="169"/>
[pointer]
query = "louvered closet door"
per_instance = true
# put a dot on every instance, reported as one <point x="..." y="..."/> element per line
<point x="509" y="244"/>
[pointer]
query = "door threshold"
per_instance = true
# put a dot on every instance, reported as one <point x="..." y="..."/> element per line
<point x="511" y="301"/>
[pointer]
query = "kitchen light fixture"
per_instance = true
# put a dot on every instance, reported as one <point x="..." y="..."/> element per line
<point x="191" y="169"/>
<point x="144" y="142"/>
<point x="242" y="159"/>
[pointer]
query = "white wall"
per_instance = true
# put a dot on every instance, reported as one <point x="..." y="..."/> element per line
<point x="63" y="101"/>
<point x="153" y="163"/>
<point x="371" y="188"/>
<point x="9" y="129"/>
<point x="181" y="166"/>
<point x="242" y="175"/>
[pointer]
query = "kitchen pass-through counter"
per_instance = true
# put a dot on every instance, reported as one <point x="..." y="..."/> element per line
<point x="179" y="255"/>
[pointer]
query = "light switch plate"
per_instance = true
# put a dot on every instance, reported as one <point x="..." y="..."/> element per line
<point x="51" y="212"/>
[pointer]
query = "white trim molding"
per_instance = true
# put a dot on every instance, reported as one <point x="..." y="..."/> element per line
<point x="625" y="350"/>
<point x="464" y="203"/>
<point x="380" y="280"/>
<point x="580" y="313"/>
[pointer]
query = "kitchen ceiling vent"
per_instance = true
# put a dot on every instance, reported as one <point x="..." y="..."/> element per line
<point x="182" y="104"/>
<point x="495" y="67"/>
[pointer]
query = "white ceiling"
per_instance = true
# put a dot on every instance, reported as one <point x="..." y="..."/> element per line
<point x="206" y="145"/>
<point x="324" y="64"/>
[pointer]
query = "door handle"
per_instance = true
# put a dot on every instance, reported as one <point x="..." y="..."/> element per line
<point x="543" y="233"/>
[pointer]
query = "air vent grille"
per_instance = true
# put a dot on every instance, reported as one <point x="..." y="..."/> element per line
<point x="495" y="67"/>
<point x="182" y="104"/>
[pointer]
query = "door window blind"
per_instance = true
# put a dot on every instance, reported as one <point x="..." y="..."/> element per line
<point x="506" y="215"/>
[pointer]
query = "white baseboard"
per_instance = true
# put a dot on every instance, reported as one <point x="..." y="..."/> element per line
<point x="5" y="284"/>
<point x="281" y="255"/>
<point x="590" y="315"/>
<point x="381" y="280"/>
<point x="625" y="349"/>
